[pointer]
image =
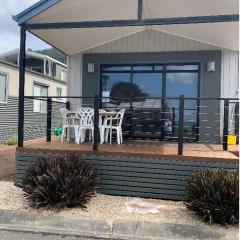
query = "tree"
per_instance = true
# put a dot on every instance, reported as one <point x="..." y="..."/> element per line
<point x="127" y="90"/>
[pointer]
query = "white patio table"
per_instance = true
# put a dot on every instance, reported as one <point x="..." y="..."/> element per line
<point x="72" y="115"/>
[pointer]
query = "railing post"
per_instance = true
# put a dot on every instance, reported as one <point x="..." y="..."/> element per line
<point x="181" y="125"/>
<point x="163" y="118"/>
<point x="173" y="120"/>
<point x="96" y="121"/>
<point x="68" y="105"/>
<point x="49" y="119"/>
<point x="236" y="120"/>
<point x="225" y="124"/>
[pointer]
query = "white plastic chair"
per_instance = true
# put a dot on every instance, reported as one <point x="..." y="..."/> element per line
<point x="116" y="125"/>
<point x="67" y="124"/>
<point x="85" y="116"/>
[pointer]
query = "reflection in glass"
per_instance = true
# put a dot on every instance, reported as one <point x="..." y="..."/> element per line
<point x="117" y="68"/>
<point x="143" y="68"/>
<point x="149" y="83"/>
<point x="115" y="85"/>
<point x="158" y="68"/>
<point x="183" y="84"/>
<point x="182" y="67"/>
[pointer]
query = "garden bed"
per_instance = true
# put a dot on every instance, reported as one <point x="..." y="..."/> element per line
<point x="105" y="206"/>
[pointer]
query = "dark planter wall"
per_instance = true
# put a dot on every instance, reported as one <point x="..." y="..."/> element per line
<point x="138" y="177"/>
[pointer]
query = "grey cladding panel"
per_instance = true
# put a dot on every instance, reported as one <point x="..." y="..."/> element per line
<point x="34" y="123"/>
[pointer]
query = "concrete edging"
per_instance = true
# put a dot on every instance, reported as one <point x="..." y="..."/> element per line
<point x="102" y="228"/>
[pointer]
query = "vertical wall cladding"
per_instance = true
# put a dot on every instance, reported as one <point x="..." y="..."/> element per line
<point x="34" y="124"/>
<point x="74" y="83"/>
<point x="138" y="177"/>
<point x="151" y="41"/>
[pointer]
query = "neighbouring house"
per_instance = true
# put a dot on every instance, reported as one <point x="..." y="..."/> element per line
<point x="44" y="76"/>
<point x="173" y="65"/>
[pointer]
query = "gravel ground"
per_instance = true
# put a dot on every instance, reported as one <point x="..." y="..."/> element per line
<point x="105" y="206"/>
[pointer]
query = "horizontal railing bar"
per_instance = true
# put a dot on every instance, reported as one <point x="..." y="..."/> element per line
<point x="138" y="98"/>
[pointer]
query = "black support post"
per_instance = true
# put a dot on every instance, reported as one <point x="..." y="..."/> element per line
<point x="49" y="119"/>
<point x="140" y="8"/>
<point x="96" y="121"/>
<point x="21" y="87"/>
<point x="225" y="124"/>
<point x="181" y="125"/>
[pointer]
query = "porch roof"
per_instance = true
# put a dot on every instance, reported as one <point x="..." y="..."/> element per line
<point x="76" y="25"/>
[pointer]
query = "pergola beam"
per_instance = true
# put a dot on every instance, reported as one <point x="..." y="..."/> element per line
<point x="134" y="22"/>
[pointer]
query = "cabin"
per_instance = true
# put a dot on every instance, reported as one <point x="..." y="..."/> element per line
<point x="172" y="68"/>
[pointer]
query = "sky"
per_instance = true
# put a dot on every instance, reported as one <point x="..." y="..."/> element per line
<point x="9" y="31"/>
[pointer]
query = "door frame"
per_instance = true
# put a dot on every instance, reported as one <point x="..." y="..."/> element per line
<point x="164" y="82"/>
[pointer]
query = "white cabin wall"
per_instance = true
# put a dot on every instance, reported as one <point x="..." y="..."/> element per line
<point x="151" y="41"/>
<point x="229" y="83"/>
<point x="74" y="83"/>
<point x="230" y="73"/>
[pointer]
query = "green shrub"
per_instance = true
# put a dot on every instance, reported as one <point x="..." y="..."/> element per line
<point x="214" y="195"/>
<point x="60" y="181"/>
<point x="12" y="140"/>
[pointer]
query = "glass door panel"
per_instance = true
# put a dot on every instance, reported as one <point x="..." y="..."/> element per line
<point x="183" y="83"/>
<point x="115" y="89"/>
<point x="147" y="109"/>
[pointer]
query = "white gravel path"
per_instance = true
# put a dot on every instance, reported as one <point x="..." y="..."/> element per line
<point x="104" y="206"/>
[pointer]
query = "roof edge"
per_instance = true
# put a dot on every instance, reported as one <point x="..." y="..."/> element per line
<point x="12" y="65"/>
<point x="34" y="10"/>
<point x="34" y="54"/>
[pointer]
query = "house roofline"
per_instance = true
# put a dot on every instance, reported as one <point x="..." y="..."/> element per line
<point x="33" y="72"/>
<point x="34" y="10"/>
<point x="35" y="54"/>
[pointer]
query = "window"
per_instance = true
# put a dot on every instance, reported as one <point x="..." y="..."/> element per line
<point x="59" y="93"/>
<point x="3" y="88"/>
<point x="63" y="75"/>
<point x="40" y="91"/>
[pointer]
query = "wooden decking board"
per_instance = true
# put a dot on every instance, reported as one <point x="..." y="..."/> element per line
<point x="133" y="149"/>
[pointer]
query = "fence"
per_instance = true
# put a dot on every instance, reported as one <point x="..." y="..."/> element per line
<point x="181" y="120"/>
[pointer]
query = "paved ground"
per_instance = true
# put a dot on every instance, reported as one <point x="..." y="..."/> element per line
<point x="7" y="160"/>
<point x="13" y="235"/>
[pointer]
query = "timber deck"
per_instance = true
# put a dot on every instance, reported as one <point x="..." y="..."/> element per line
<point x="138" y="148"/>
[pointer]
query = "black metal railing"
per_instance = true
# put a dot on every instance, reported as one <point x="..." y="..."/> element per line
<point x="198" y="120"/>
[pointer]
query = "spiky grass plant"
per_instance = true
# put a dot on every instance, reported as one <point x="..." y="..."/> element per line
<point x="214" y="195"/>
<point x="59" y="181"/>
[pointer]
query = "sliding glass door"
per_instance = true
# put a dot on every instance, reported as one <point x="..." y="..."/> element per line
<point x="144" y="89"/>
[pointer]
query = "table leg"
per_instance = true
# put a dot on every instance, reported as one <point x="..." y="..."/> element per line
<point x="110" y="141"/>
